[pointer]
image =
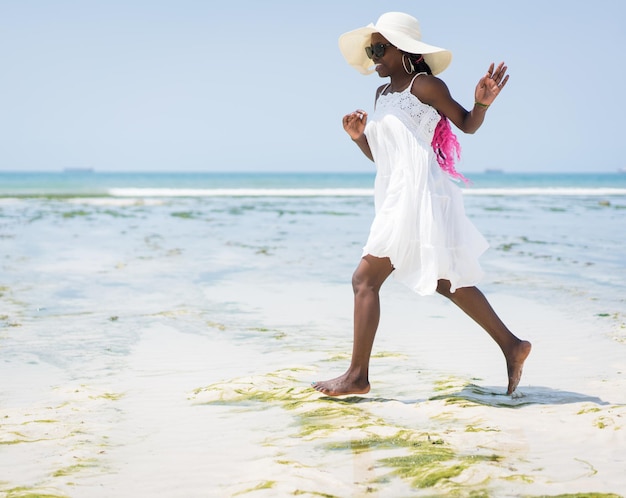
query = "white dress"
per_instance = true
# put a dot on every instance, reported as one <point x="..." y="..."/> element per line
<point x="420" y="221"/>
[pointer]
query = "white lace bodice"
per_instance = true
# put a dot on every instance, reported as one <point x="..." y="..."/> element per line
<point x="421" y="119"/>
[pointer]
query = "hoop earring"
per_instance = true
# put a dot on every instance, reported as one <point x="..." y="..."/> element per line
<point x="411" y="66"/>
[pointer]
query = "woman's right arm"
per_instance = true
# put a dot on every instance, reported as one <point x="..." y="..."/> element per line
<point x="354" y="124"/>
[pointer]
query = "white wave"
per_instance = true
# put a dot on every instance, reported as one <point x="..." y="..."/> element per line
<point x="120" y="202"/>
<point x="241" y="192"/>
<point x="547" y="191"/>
<point x="352" y="192"/>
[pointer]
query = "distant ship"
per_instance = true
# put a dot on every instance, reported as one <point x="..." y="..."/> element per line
<point x="621" y="170"/>
<point x="494" y="170"/>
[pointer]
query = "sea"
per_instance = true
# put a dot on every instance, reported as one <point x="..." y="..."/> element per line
<point x="560" y="231"/>
<point x="557" y="236"/>
<point x="122" y="293"/>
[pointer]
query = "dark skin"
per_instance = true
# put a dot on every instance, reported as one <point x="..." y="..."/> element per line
<point x="429" y="90"/>
<point x="372" y="272"/>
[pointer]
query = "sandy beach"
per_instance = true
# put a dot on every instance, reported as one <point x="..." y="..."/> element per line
<point x="155" y="349"/>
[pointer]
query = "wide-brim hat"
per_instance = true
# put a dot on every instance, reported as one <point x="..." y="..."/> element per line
<point x="403" y="31"/>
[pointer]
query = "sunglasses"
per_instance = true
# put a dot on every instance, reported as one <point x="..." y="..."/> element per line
<point x="377" y="50"/>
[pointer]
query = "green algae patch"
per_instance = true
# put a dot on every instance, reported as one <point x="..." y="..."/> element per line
<point x="448" y="384"/>
<point x="276" y="334"/>
<point x="328" y="419"/>
<point x="274" y="388"/>
<point x="76" y="213"/>
<point x="519" y="477"/>
<point x="584" y="495"/>
<point x="422" y="455"/>
<point x="601" y="423"/>
<point x="300" y="492"/>
<point x="108" y="396"/>
<point x="215" y="325"/>
<point x="339" y="357"/>
<point x="24" y="492"/>
<point x="594" y="409"/>
<point x="185" y="215"/>
<point x="11" y="442"/>
<point x="375" y="356"/>
<point x="425" y="462"/>
<point x="459" y="401"/>
<point x="19" y="438"/>
<point x="428" y="464"/>
<point x="347" y="424"/>
<point x="420" y="474"/>
<point x="74" y="469"/>
<point x="317" y="416"/>
<point x="388" y="354"/>
<point x="258" y="487"/>
<point x="115" y="214"/>
<point x="604" y="419"/>
<point x="33" y="495"/>
<point x="473" y="428"/>
<point x="403" y="438"/>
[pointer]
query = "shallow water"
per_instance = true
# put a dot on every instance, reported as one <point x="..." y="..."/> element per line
<point x="121" y="315"/>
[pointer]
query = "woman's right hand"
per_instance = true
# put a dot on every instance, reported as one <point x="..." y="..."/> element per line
<point x="354" y="124"/>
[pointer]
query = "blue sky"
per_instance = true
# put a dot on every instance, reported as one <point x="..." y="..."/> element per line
<point x="189" y="85"/>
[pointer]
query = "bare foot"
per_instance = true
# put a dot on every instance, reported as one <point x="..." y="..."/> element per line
<point x="342" y="385"/>
<point x="515" y="363"/>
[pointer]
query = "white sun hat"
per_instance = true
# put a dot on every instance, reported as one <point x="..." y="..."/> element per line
<point x="403" y="31"/>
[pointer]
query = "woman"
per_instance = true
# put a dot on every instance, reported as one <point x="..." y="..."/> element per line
<point x="420" y="231"/>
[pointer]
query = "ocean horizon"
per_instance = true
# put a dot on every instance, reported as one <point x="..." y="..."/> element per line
<point x="77" y="182"/>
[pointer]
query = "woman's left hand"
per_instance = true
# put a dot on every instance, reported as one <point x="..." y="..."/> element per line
<point x="490" y="85"/>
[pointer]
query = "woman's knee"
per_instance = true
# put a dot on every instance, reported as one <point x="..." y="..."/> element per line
<point x="371" y="274"/>
<point x="361" y="281"/>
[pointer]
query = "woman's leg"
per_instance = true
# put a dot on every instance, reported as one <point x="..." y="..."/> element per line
<point x="475" y="304"/>
<point x="366" y="282"/>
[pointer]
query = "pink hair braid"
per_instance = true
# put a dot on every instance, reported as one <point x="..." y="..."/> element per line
<point x="446" y="146"/>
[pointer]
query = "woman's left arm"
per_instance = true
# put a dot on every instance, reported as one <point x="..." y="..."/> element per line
<point x="436" y="93"/>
